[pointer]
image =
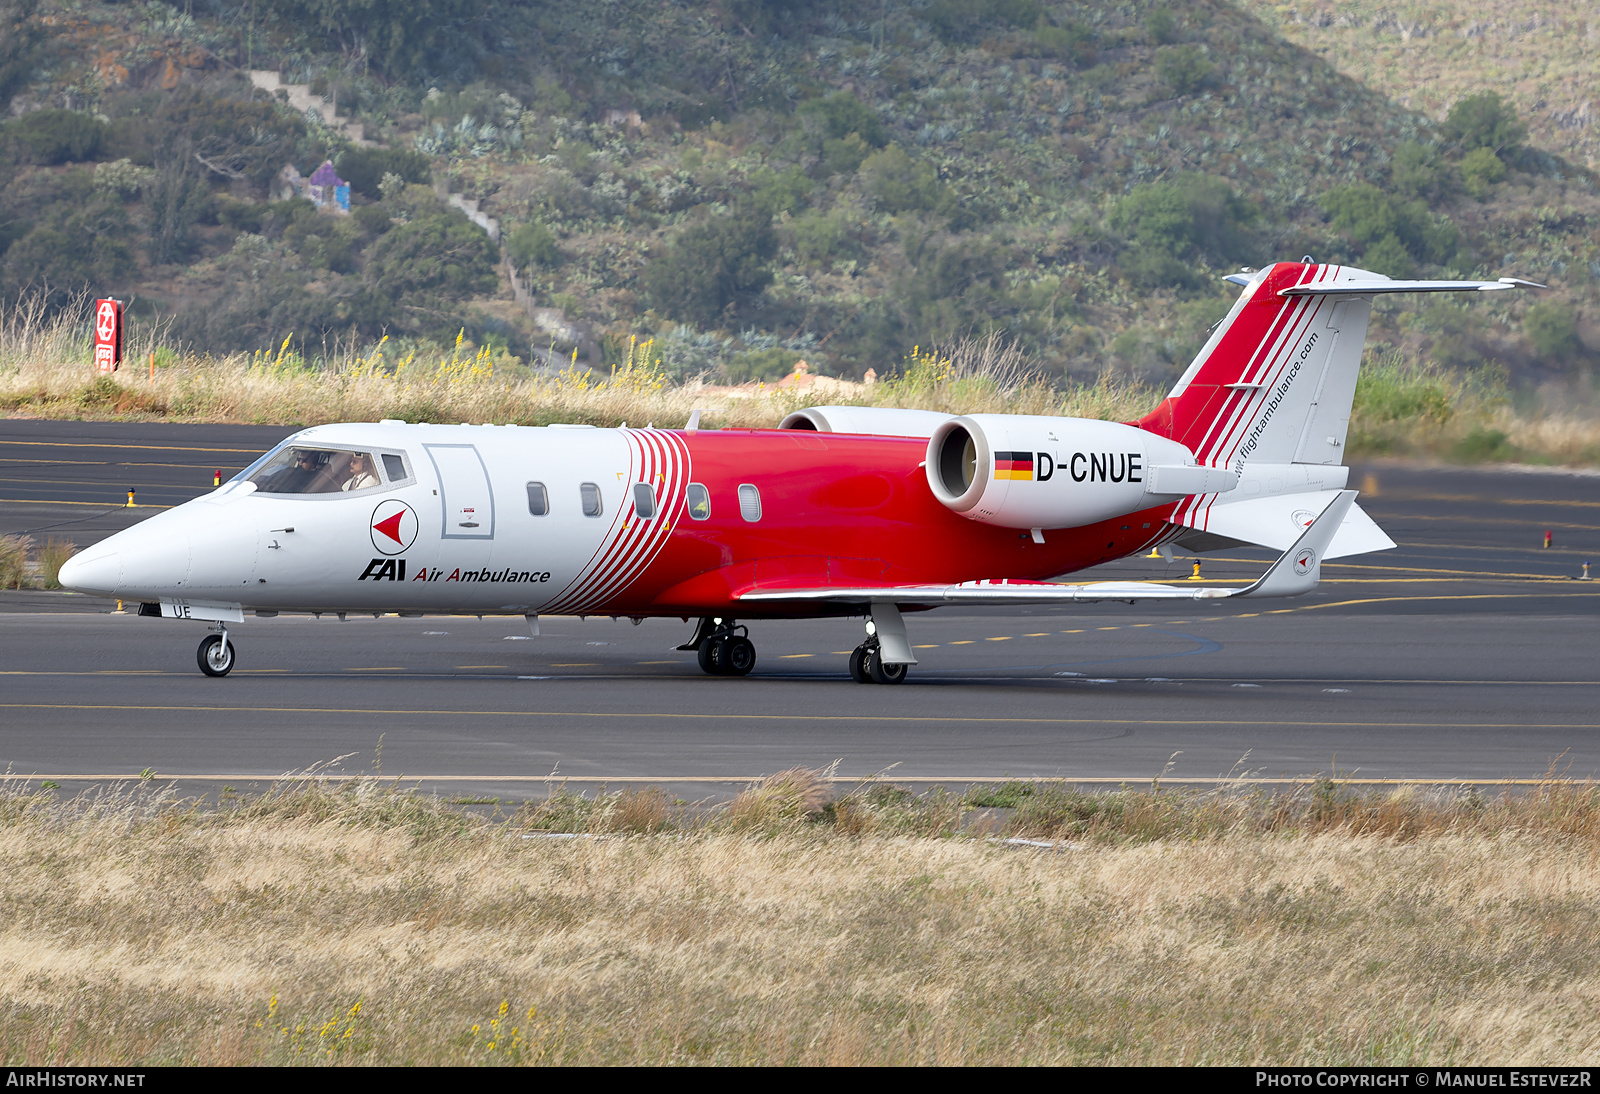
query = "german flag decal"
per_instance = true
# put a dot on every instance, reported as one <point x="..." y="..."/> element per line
<point x="1013" y="465"/>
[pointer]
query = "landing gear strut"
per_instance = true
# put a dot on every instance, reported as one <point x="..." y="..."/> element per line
<point x="723" y="647"/>
<point x="215" y="654"/>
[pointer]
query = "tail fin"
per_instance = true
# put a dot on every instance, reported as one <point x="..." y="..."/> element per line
<point x="1269" y="398"/>
<point x="1274" y="383"/>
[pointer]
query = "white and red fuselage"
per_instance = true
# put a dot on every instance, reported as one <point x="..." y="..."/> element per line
<point x="781" y="509"/>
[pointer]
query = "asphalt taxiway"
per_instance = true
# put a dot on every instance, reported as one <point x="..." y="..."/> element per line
<point x="1469" y="653"/>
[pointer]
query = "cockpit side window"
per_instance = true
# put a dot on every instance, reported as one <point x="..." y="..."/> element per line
<point x="304" y="469"/>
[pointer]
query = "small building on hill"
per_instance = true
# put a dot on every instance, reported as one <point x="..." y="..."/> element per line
<point x="327" y="191"/>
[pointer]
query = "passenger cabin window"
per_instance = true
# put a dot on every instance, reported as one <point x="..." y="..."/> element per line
<point x="305" y="470"/>
<point x="749" y="503"/>
<point x="591" y="499"/>
<point x="538" y="499"/>
<point x="394" y="467"/>
<point x="644" y="500"/>
<point x="699" y="502"/>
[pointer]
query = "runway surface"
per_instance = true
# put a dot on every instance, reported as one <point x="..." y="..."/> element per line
<point x="1468" y="653"/>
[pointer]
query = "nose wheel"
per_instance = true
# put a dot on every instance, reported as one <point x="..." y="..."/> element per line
<point x="215" y="654"/>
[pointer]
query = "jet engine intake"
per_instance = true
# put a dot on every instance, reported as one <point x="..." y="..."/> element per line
<point x="1024" y="471"/>
<point x="881" y="421"/>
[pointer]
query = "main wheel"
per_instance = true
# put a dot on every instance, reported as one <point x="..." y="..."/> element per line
<point x="884" y="674"/>
<point x="711" y="656"/>
<point x="215" y="655"/>
<point x="858" y="665"/>
<point x="739" y="657"/>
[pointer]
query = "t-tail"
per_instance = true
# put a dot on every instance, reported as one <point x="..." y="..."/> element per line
<point x="1268" y="397"/>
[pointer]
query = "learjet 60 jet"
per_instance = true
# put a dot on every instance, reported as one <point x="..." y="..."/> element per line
<point x="840" y="511"/>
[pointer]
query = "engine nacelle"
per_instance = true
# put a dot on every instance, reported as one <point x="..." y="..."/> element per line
<point x="882" y="421"/>
<point x="1022" y="471"/>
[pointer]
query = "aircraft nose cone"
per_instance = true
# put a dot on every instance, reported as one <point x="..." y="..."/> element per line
<point x="98" y="572"/>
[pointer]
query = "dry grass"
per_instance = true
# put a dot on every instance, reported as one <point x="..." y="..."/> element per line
<point x="14" y="561"/>
<point x="367" y="925"/>
<point x="1401" y="409"/>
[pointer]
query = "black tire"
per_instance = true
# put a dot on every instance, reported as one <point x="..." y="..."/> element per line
<point x="739" y="657"/>
<point x="884" y="674"/>
<point x="708" y="655"/>
<point x="858" y="665"/>
<point x="215" y="656"/>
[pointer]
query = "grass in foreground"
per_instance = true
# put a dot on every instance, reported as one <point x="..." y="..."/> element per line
<point x="364" y="924"/>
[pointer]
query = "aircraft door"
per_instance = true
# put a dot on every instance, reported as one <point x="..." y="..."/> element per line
<point x="465" y="498"/>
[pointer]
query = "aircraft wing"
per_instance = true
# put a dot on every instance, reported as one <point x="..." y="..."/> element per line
<point x="1297" y="571"/>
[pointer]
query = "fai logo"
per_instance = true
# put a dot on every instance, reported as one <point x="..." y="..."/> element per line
<point x="1302" y="518"/>
<point x="1304" y="561"/>
<point x="394" y="526"/>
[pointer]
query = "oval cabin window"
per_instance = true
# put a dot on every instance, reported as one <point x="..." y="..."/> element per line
<point x="749" y="502"/>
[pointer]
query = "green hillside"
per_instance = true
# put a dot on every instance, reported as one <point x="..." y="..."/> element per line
<point x="755" y="181"/>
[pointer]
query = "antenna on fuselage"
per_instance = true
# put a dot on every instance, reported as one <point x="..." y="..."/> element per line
<point x="694" y="422"/>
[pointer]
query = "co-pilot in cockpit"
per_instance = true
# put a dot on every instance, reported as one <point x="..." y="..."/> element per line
<point x="317" y="471"/>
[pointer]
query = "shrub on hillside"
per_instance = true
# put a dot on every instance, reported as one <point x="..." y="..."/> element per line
<point x="1483" y="121"/>
<point x="899" y="184"/>
<point x="712" y="267"/>
<point x="1193" y="218"/>
<point x="1552" y="327"/>
<point x="1481" y="169"/>
<point x="364" y="168"/>
<point x="532" y="244"/>
<point x="1185" y="69"/>
<point x="57" y="136"/>
<point x="1394" y="235"/>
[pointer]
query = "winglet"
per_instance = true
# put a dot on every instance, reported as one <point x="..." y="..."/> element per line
<point x="1300" y="567"/>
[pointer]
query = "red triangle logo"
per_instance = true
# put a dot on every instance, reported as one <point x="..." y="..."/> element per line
<point x="391" y="526"/>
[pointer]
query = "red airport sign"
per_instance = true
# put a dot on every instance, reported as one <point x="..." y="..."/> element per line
<point x="107" y="334"/>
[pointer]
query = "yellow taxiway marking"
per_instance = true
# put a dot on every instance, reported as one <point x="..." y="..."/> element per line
<point x="115" y="463"/>
<point x="1039" y="634"/>
<point x="997" y="639"/>
<point x="964" y="642"/>
<point x="109" y="486"/>
<point x="687" y="716"/>
<point x="482" y="666"/>
<point x="1490" y="500"/>
<point x="135" y="447"/>
<point x="930" y="646"/>
<point x="385" y="668"/>
<point x="789" y="656"/>
<point x="576" y="665"/>
<point x="108" y="504"/>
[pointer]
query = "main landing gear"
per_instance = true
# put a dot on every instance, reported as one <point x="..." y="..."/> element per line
<point x="867" y="665"/>
<point x="216" y="654"/>
<point x="723" y="647"/>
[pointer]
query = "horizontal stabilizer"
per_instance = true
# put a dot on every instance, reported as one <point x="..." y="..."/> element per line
<point x="1363" y="286"/>
<point x="1277" y="521"/>
<point x="1297" y="571"/>
<point x="1190" y="479"/>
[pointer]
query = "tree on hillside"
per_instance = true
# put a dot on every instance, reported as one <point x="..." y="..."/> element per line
<point x="712" y="267"/>
<point x="1484" y="121"/>
<point x="1174" y="224"/>
<point x="407" y="39"/>
<point x="21" y="36"/>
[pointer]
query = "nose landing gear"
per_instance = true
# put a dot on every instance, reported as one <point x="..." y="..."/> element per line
<point x="721" y="648"/>
<point x="215" y="655"/>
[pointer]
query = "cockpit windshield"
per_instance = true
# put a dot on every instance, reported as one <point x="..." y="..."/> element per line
<point x="301" y="469"/>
